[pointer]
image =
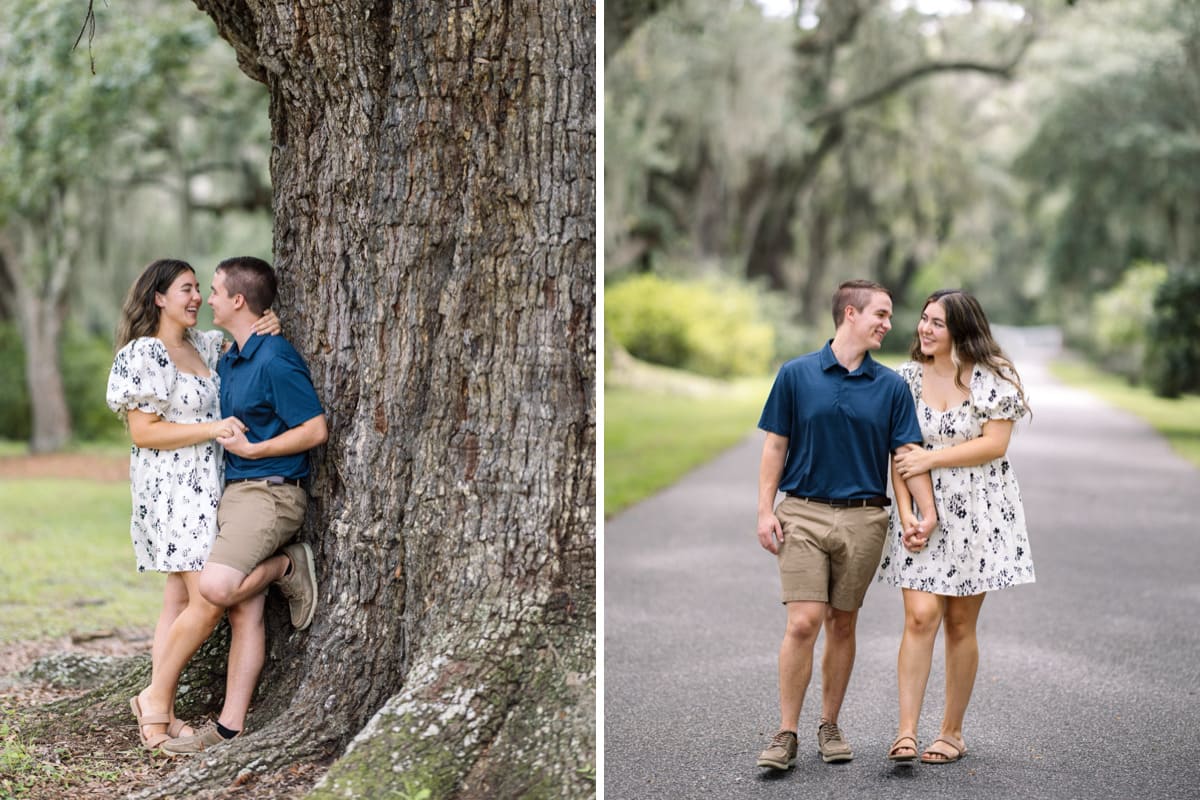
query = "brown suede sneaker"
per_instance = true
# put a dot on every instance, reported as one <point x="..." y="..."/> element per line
<point x="834" y="746"/>
<point x="205" y="739"/>
<point x="781" y="754"/>
<point x="300" y="587"/>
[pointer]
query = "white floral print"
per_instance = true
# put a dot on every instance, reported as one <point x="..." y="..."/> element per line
<point x="980" y="543"/>
<point x="175" y="492"/>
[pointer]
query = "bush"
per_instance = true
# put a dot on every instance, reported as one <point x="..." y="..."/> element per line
<point x="86" y="362"/>
<point x="14" y="395"/>
<point x="708" y="327"/>
<point x="1173" y="364"/>
<point x="1122" y="319"/>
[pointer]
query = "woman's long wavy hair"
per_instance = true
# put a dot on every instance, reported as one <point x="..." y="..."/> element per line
<point x="971" y="340"/>
<point x="140" y="314"/>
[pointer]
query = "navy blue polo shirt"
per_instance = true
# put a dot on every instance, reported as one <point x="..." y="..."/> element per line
<point x="266" y="385"/>
<point x="841" y="426"/>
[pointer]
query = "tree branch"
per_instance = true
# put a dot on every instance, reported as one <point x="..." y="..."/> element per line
<point x="897" y="82"/>
<point x="236" y="23"/>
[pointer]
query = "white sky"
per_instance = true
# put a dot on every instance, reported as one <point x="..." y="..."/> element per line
<point x="785" y="8"/>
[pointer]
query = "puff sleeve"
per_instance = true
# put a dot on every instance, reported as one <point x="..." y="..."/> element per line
<point x="996" y="397"/>
<point x="141" y="378"/>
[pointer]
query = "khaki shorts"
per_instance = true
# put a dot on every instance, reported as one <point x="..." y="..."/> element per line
<point x="829" y="554"/>
<point x="254" y="520"/>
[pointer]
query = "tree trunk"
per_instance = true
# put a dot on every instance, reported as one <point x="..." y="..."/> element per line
<point x="433" y="168"/>
<point x="39" y="312"/>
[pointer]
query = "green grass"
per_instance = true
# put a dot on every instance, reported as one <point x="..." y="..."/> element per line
<point x="68" y="564"/>
<point x="652" y="437"/>
<point x="1177" y="420"/>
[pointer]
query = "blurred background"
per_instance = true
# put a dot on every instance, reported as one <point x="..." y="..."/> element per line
<point x="143" y="141"/>
<point x="1043" y="155"/>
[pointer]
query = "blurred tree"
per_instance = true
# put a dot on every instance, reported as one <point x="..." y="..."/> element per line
<point x="761" y="141"/>
<point x="63" y="129"/>
<point x="99" y="172"/>
<point x="1117" y="152"/>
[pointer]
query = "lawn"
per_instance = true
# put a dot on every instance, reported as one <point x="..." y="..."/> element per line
<point x="653" y="437"/>
<point x="1177" y="420"/>
<point x="66" y="562"/>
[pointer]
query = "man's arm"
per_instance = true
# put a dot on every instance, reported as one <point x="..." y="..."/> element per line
<point x="299" y="439"/>
<point x="770" y="533"/>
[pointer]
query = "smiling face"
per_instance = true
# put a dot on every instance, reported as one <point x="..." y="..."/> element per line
<point x="870" y="325"/>
<point x="220" y="301"/>
<point x="180" y="303"/>
<point x="933" y="335"/>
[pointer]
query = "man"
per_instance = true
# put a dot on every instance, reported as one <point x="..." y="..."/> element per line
<point x="831" y="420"/>
<point x="266" y="384"/>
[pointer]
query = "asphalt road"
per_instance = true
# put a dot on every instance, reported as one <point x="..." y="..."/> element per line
<point x="1089" y="680"/>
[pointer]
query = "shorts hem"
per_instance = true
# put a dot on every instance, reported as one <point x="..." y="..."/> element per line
<point x="804" y="597"/>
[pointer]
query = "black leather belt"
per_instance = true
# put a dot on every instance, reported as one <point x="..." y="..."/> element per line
<point x="273" y="480"/>
<point x="859" y="502"/>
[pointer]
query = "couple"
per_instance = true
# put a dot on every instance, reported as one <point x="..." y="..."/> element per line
<point x="206" y="416"/>
<point x="832" y="419"/>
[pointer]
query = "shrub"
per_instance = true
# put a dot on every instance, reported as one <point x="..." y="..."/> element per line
<point x="14" y="395"/>
<point x="1173" y="364"/>
<point x="709" y="327"/>
<point x="1121" y="320"/>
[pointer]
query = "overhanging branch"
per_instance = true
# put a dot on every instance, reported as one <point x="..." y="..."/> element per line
<point x="897" y="82"/>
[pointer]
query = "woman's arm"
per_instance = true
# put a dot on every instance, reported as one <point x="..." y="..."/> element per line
<point x="154" y="432"/>
<point x="988" y="446"/>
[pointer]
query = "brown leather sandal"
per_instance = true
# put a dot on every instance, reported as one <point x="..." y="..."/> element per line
<point x="931" y="756"/>
<point x="152" y="741"/>
<point x="894" y="753"/>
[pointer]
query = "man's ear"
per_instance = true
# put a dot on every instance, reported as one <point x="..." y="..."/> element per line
<point x="239" y="300"/>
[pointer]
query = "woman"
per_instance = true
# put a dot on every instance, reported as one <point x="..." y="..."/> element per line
<point x="164" y="383"/>
<point x="968" y="396"/>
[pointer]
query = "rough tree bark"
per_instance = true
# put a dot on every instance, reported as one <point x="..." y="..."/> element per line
<point x="433" y="167"/>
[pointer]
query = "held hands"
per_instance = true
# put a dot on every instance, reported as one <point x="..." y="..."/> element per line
<point x="267" y="324"/>
<point x="913" y="462"/>
<point x="226" y="427"/>
<point x="770" y="533"/>
<point x="916" y="532"/>
<point x="237" y="443"/>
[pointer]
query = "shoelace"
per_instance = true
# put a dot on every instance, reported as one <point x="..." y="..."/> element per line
<point x="828" y="732"/>
<point x="782" y="739"/>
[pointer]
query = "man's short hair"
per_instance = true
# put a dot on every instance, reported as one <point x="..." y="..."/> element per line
<point x="854" y="293"/>
<point x="252" y="278"/>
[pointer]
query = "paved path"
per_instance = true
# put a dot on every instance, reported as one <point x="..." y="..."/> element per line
<point x="1089" y="679"/>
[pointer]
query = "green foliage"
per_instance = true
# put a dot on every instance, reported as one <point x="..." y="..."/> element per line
<point x="1118" y="152"/>
<point x="1174" y="359"/>
<point x="85" y="360"/>
<point x="14" y="394"/>
<point x="708" y="327"/>
<point x="1121" y="320"/>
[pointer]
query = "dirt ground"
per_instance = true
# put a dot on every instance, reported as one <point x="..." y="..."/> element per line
<point x="66" y="465"/>
<point x="113" y="758"/>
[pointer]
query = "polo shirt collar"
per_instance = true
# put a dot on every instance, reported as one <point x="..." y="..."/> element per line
<point x="867" y="368"/>
<point x="252" y="344"/>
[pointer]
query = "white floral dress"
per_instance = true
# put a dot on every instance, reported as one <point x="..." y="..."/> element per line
<point x="980" y="543"/>
<point x="175" y="492"/>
